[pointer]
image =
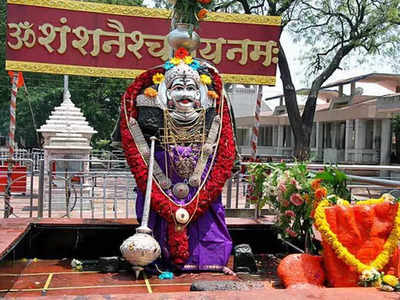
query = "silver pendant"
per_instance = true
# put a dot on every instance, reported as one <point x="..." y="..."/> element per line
<point x="182" y="216"/>
<point x="180" y="190"/>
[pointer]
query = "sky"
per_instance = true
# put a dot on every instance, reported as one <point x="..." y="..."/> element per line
<point x="353" y="71"/>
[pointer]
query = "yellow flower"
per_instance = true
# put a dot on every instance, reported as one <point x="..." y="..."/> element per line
<point x="188" y="60"/>
<point x="158" y="78"/>
<point x="390" y="280"/>
<point x="205" y="79"/>
<point x="175" y="61"/>
<point x="366" y="271"/>
<point x="150" y="92"/>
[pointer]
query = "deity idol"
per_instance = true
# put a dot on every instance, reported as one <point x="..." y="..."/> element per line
<point x="184" y="106"/>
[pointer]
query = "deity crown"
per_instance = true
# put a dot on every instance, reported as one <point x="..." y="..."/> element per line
<point x="180" y="71"/>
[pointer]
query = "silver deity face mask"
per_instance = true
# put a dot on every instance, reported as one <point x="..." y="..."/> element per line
<point x="183" y="95"/>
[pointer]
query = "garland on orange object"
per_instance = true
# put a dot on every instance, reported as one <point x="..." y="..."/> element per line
<point x="344" y="254"/>
<point x="221" y="170"/>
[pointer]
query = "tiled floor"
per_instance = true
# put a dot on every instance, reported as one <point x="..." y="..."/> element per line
<point x="55" y="277"/>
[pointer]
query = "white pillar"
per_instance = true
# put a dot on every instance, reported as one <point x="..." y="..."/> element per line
<point x="349" y="140"/>
<point x="360" y="139"/>
<point x="334" y="135"/>
<point x="386" y="141"/>
<point x="280" y="139"/>
<point x="376" y="139"/>
<point x="275" y="137"/>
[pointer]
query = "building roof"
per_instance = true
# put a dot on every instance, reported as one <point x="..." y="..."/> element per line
<point x="389" y="81"/>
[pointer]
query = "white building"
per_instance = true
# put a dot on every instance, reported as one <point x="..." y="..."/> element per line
<point x="349" y="127"/>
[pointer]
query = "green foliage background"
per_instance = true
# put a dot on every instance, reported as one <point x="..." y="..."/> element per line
<point x="98" y="98"/>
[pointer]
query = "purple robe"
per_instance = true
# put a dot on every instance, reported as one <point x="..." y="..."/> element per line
<point x="210" y="244"/>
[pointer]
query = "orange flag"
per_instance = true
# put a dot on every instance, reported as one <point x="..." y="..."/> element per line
<point x="20" y="80"/>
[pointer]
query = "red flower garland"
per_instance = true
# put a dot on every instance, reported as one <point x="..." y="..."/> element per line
<point x="178" y="241"/>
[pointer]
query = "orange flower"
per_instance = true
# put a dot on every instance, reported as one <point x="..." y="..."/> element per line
<point x="316" y="183"/>
<point x="306" y="198"/>
<point x="150" y="92"/>
<point x="204" y="1"/>
<point x="320" y="193"/>
<point x="213" y="95"/>
<point x="202" y="13"/>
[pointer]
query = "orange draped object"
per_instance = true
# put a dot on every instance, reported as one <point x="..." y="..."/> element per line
<point x="363" y="230"/>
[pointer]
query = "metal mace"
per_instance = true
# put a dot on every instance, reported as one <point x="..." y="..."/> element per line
<point x="142" y="249"/>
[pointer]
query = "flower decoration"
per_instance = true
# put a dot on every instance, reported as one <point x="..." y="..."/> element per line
<point x="202" y="13"/>
<point x="213" y="95"/>
<point x="296" y="199"/>
<point x="290" y="213"/>
<point x="150" y="92"/>
<point x="390" y="283"/>
<point x="158" y="78"/>
<point x="294" y="193"/>
<point x="370" y="277"/>
<point x="190" y="11"/>
<point x="188" y="60"/>
<point x="368" y="272"/>
<point x="205" y="79"/>
<point x="316" y="183"/>
<point x="321" y="193"/>
<point x="175" y="61"/>
<point x="390" y="280"/>
<point x="181" y="53"/>
<point x="195" y="65"/>
<point x="168" y="65"/>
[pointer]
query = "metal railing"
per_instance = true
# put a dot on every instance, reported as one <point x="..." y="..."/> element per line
<point x="21" y="186"/>
<point x="97" y="188"/>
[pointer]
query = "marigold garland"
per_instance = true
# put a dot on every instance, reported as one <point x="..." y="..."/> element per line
<point x="342" y="253"/>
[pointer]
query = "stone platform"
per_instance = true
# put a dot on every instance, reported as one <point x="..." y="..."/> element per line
<point x="32" y="278"/>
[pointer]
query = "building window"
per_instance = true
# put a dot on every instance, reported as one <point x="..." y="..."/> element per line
<point x="265" y="136"/>
<point x="242" y="136"/>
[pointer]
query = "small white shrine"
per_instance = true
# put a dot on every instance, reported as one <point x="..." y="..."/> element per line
<point x="67" y="137"/>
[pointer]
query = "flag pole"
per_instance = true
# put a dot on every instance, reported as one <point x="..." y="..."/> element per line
<point x="8" y="210"/>
<point x="254" y="140"/>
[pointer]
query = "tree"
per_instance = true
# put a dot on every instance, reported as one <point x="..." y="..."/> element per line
<point x="332" y="30"/>
<point x="98" y="98"/>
